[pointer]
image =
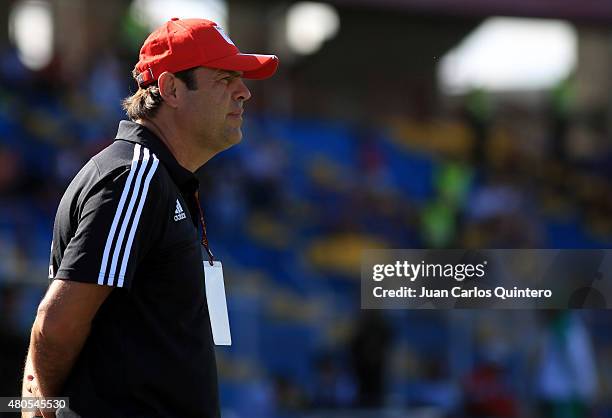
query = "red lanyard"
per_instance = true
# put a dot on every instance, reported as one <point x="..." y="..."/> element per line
<point x="211" y="258"/>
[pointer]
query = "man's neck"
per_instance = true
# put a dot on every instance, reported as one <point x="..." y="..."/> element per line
<point x="186" y="154"/>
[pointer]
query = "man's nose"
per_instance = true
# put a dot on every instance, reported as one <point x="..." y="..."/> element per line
<point x="242" y="91"/>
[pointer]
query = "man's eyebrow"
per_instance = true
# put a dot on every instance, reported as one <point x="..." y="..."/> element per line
<point x="229" y="72"/>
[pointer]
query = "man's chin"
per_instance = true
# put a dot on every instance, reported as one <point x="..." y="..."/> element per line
<point x="232" y="140"/>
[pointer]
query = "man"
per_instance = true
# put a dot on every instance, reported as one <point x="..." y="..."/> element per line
<point x="123" y="329"/>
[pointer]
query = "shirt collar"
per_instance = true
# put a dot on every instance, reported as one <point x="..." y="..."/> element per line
<point x="137" y="133"/>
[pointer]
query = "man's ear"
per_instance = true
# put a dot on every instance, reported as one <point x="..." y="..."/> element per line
<point x="167" y="88"/>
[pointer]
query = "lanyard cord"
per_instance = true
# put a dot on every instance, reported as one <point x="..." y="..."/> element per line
<point x="211" y="258"/>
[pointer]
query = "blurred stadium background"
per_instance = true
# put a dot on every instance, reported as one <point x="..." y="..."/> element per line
<point x="391" y="124"/>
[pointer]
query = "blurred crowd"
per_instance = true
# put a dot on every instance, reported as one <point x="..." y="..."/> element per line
<point x="290" y="210"/>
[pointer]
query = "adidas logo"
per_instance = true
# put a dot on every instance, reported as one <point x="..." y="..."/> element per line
<point x="178" y="212"/>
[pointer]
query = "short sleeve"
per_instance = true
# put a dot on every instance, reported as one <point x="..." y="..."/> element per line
<point x="115" y="227"/>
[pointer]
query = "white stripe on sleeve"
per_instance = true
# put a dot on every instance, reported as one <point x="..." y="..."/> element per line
<point x="126" y="219"/>
<point x="128" y="246"/>
<point x="111" y="234"/>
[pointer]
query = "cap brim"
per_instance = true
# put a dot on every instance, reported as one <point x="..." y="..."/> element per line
<point x="253" y="66"/>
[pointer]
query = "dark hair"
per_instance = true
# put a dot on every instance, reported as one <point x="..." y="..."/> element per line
<point x="146" y="101"/>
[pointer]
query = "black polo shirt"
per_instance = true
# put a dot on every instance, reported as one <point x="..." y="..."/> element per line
<point x="129" y="220"/>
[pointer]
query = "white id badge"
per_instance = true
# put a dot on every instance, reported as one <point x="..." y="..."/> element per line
<point x="217" y="305"/>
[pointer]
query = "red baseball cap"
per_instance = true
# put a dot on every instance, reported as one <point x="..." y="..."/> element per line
<point x="180" y="44"/>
